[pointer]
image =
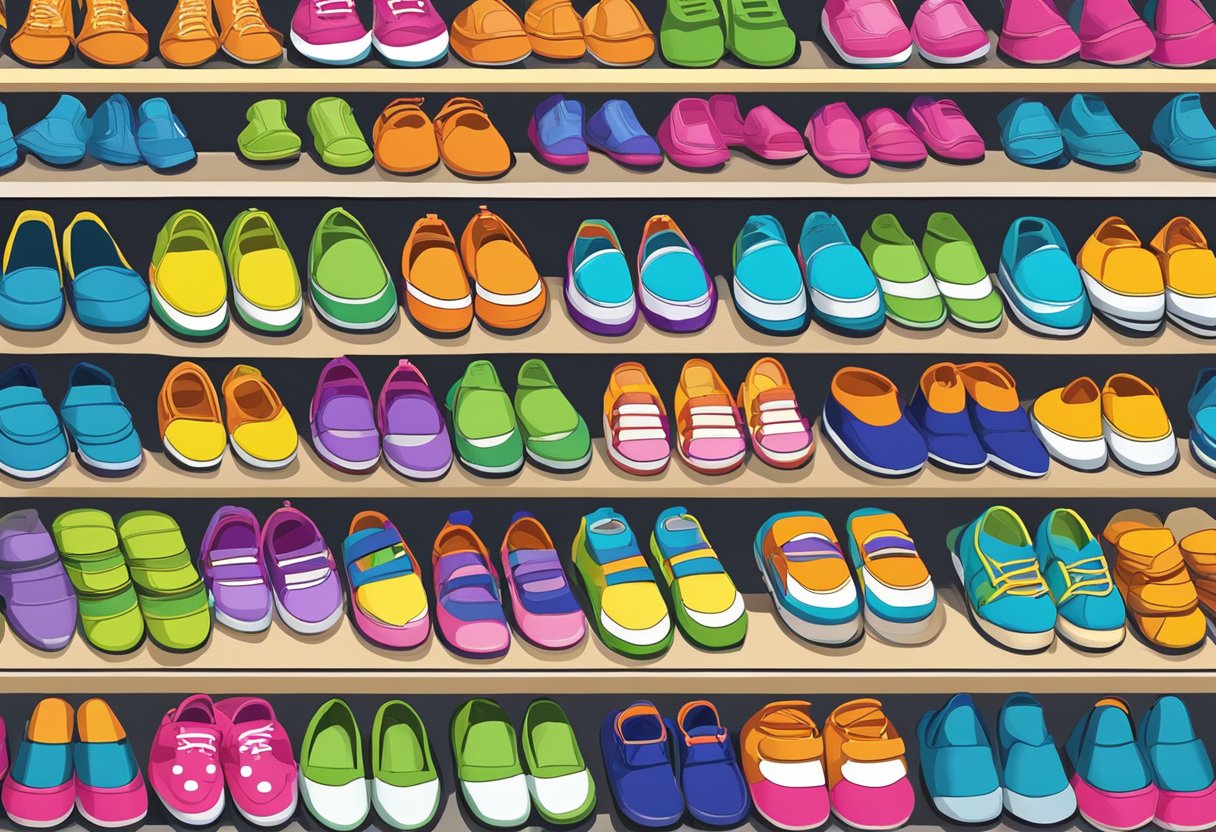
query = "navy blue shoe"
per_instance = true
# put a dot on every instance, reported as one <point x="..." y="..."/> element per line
<point x="59" y="138"/>
<point x="1184" y="133"/>
<point x="1029" y="134"/>
<point x="637" y="763"/>
<point x="1000" y="422"/>
<point x="614" y="130"/>
<point x="1093" y="137"/>
<point x="864" y="418"/>
<point x="939" y="411"/>
<point x="713" y="784"/>
<point x="161" y="138"/>
<point x="8" y="145"/>
<point x="113" y="138"/>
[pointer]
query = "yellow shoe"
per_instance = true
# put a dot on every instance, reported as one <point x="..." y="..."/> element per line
<point x="1122" y="277"/>
<point x="1068" y="421"/>
<point x="265" y="284"/>
<point x="1189" y="268"/>
<point x="388" y="601"/>
<point x="189" y="287"/>
<point x="188" y="413"/>
<point x="1136" y="427"/>
<point x="259" y="427"/>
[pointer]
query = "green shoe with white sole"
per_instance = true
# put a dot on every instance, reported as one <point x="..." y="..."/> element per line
<point x="487" y="437"/>
<point x="333" y="782"/>
<point x="405" y="783"/>
<point x="558" y="779"/>
<point x="488" y="766"/>
<point x="555" y="436"/>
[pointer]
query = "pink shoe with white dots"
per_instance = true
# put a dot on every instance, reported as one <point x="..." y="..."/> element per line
<point x="183" y="767"/>
<point x="257" y="761"/>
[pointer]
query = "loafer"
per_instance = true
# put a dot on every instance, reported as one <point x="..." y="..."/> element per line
<point x="1184" y="134"/>
<point x="489" y="33"/>
<point x="1040" y="283"/>
<point x="487" y="435"/>
<point x="488" y="767"/>
<point x="1111" y="32"/>
<point x="910" y="293"/>
<point x="99" y="426"/>
<point x="890" y="140"/>
<point x="31" y="275"/>
<point x="188" y="416"/>
<point x="1068" y="421"/>
<point x="1036" y="788"/>
<point x="866" y="32"/>
<point x="266" y="137"/>
<point x="333" y="779"/>
<point x="939" y="411"/>
<point x="710" y="778"/>
<point x="469" y="143"/>
<point x="614" y="131"/>
<point x="1034" y="32"/>
<point x="336" y="135"/>
<point x="857" y="419"/>
<point x="60" y="137"/>
<point x="556" y="132"/>
<point x="162" y="140"/>
<point x="899" y="601"/>
<point x="690" y="138"/>
<point x="113" y="137"/>
<point x="1184" y="33"/>
<point x="33" y="444"/>
<point x="265" y="285"/>
<point x="469" y="604"/>
<point x="638" y="765"/>
<point x="762" y="133"/>
<point x="341" y="421"/>
<point x="837" y="140"/>
<point x="945" y="32"/>
<point x="413" y="433"/>
<point x="9" y="155"/>
<point x="1089" y="609"/>
<point x="1136" y="425"/>
<point x="39" y="604"/>
<point x="260" y="429"/>
<point x="43" y="793"/>
<point x="844" y="292"/>
<point x="1123" y="278"/>
<point x="187" y="280"/>
<point x="1189" y="268"/>
<point x="1202" y="410"/>
<point x="962" y="279"/>
<point x="767" y="284"/>
<point x="555" y="436"/>
<point x="347" y="279"/>
<point x="558" y="780"/>
<point x="438" y="296"/>
<point x="677" y="293"/>
<point x="999" y="421"/>
<point x="1092" y="136"/>
<point x="599" y="286"/>
<point x="946" y="132"/>
<point x="1181" y="766"/>
<point x="107" y="294"/>
<point x="405" y="782"/>
<point x="1029" y="134"/>
<point x="617" y="34"/>
<point x="404" y="137"/>
<point x="508" y="293"/>
<point x="1112" y="779"/>
<point x="958" y="763"/>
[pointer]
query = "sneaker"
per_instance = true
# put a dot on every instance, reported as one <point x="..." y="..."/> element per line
<point x="468" y="609"/>
<point x="39" y="604"/>
<point x="860" y="741"/>
<point x="958" y="763"/>
<point x="330" y="32"/>
<point x="257" y="761"/>
<point x="182" y="765"/>
<point x="1089" y="610"/>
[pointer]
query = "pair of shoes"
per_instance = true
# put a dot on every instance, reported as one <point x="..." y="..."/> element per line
<point x="1183" y="132"/>
<point x="404" y="32"/>
<point x="79" y="759"/>
<point x="490" y="33"/>
<point x="845" y="144"/>
<point x="190" y="38"/>
<point x="404" y="424"/>
<point x="871" y="32"/>
<point x="1041" y="284"/>
<point x="563" y="139"/>
<point x="698" y="134"/>
<point x="695" y="33"/>
<point x="1100" y="31"/>
<point x="1086" y="132"/>
<point x="658" y="768"/>
<point x="37" y="597"/>
<point x="406" y="141"/>
<point x="506" y="292"/>
<point x="192" y="427"/>
<point x="807" y="574"/>
<point x="109" y="35"/>
<point x="1127" y="281"/>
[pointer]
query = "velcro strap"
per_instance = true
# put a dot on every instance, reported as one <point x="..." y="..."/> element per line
<point x="374" y="542"/>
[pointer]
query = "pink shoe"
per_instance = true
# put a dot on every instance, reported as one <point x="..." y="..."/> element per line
<point x="866" y="32"/>
<point x="945" y="32"/>
<point x="1111" y="32"/>
<point x="1184" y="32"/>
<point x="546" y="612"/>
<point x="947" y="134"/>
<point x="1034" y="33"/>
<point x="837" y="140"/>
<point x="763" y="132"/>
<point x="330" y="32"/>
<point x="468" y="606"/>
<point x="257" y="760"/>
<point x="636" y="426"/>
<point x="1186" y="810"/>
<point x="690" y="138"/>
<point x="408" y="32"/>
<point x="1115" y="810"/>
<point x="890" y="140"/>
<point x="183" y="766"/>
<point x="102" y="755"/>
<point x="50" y="729"/>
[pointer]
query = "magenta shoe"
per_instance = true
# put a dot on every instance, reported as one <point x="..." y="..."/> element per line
<point x="1111" y="32"/>
<point x="1033" y="32"/>
<point x="866" y="32"/>
<point x="183" y="764"/>
<point x="257" y="761"/>
<point x="890" y="139"/>
<point x="1184" y="32"/>
<point x="944" y="129"/>
<point x="1186" y="810"/>
<point x="763" y="133"/>
<point x="945" y="32"/>
<point x="690" y="138"/>
<point x="837" y="140"/>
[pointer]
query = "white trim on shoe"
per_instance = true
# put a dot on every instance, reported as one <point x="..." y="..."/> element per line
<point x="1139" y="312"/>
<point x="775" y="311"/>
<point x="416" y="54"/>
<point x="892" y="60"/>
<point x="336" y="54"/>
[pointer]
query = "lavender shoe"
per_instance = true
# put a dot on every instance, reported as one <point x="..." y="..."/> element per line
<point x="38" y="599"/>
<point x="307" y="591"/>
<point x="234" y="573"/>
<point x="343" y="430"/>
<point x="416" y="442"/>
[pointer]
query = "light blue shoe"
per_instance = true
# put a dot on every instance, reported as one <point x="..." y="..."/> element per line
<point x="1093" y="137"/>
<point x="32" y="442"/>
<point x="1183" y="132"/>
<point x="1182" y="769"/>
<point x="1040" y="281"/>
<point x="1036" y="788"/>
<point x="31" y="281"/>
<point x="1089" y="609"/>
<point x="903" y="613"/>
<point x="161" y="138"/>
<point x="599" y="288"/>
<point x="107" y="293"/>
<point x="1112" y="780"/>
<point x="113" y="136"/>
<point x="59" y="138"/>
<point x="8" y="145"/>
<point x="844" y="291"/>
<point x="1006" y="594"/>
<point x="676" y="292"/>
<point x="957" y="762"/>
<point x="99" y="425"/>
<point x="768" y="286"/>
<point x="1030" y="135"/>
<point x="1202" y="410"/>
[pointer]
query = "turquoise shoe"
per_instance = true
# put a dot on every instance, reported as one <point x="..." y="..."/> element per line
<point x="59" y="138"/>
<point x="1093" y="137"/>
<point x="1040" y="282"/>
<point x="1182" y="769"/>
<point x="768" y="286"/>
<point x="1036" y="788"/>
<point x="107" y="293"/>
<point x="1089" y="610"/>
<point x="900" y="600"/>
<point x="1030" y="135"/>
<point x="958" y="764"/>
<point x="31" y="278"/>
<point x="1111" y="777"/>
<point x="32" y="442"/>
<point x="844" y="291"/>
<point x="1183" y="132"/>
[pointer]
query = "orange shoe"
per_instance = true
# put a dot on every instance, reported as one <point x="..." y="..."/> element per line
<point x="867" y="773"/>
<point x="404" y="138"/>
<point x="468" y="143"/>
<point x="489" y="33"/>
<point x="46" y="34"/>
<point x="244" y="33"/>
<point x="510" y="294"/>
<point x="437" y="293"/>
<point x="782" y="741"/>
<point x="617" y="35"/>
<point x="188" y="415"/>
<point x="110" y="35"/>
<point x="190" y="37"/>
<point x="555" y="30"/>
<point x="1195" y="531"/>
<point x="260" y="429"/>
<point x="780" y="435"/>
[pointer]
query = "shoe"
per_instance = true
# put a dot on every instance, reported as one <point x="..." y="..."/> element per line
<point x="31" y="275"/>
<point x="245" y="36"/>
<point x="837" y="139"/>
<point x="60" y="138"/>
<point x="555" y="436"/>
<point x="709" y="429"/>
<point x="708" y="609"/>
<point x="1181" y="766"/>
<point x="107" y="294"/>
<point x="617" y="34"/>
<point x="336" y="135"/>
<point x="488" y="438"/>
<point x="110" y="35"/>
<point x="690" y="138"/>
<point x="234" y="570"/>
<point x="757" y="33"/>
<point x="1089" y="612"/>
<point x="110" y="790"/>
<point x="489" y="33"/>
<point x="961" y="277"/>
<point x="677" y="293"/>
<point x="762" y="133"/>
<point x="487" y="764"/>
<point x="767" y="285"/>
<point x="1123" y="278"/>
<point x="1111" y="33"/>
<point x="99" y="425"/>
<point x="938" y="410"/>
<point x="303" y="576"/>
<point x="637" y="430"/>
<point x="900" y="603"/>
<point x="599" y="287"/>
<point x="437" y="293"/>
<point x="866" y="32"/>
<point x="162" y="140"/>
<point x="691" y="33"/>
<point x="865" y="420"/>
<point x="807" y="575"/>
<point x="509" y="295"/>
<point x="46" y="35"/>
<point x="545" y="610"/>
<point x="403" y="137"/>
<point x="638" y="765"/>
<point x="341" y="422"/>
<point x="556" y="132"/>
<point x="1068" y="421"/>
<point x="781" y="751"/>
<point x="408" y="34"/>
<point x="9" y="156"/>
<point x="1112" y="779"/>
<point x="333" y="780"/>
<point x="889" y="139"/>
<point x="614" y="131"/>
<point x="958" y="763"/>
<point x="946" y="132"/>
<point x="469" y="144"/>
<point x="1202" y="410"/>
<point x="1033" y="32"/>
<point x="387" y="600"/>
<point x="1040" y="283"/>
<point x="858" y="734"/>
<point x="347" y="279"/>
<point x="33" y="444"/>
<point x="627" y="610"/>
<point x="171" y="595"/>
<point x="267" y="137"/>
<point x="1007" y="595"/>
<point x="189" y="419"/>
<point x="710" y="778"/>
<point x="1036" y="789"/>
<point x="413" y="433"/>
<point x="405" y="782"/>
<point x="780" y="435"/>
<point x="558" y="780"/>
<point x="843" y="290"/>
<point x="41" y="792"/>
<point x="189" y="38"/>
<point x="1189" y="269"/>
<point x="945" y="32"/>
<point x="1030" y="134"/>
<point x="109" y="608"/>
<point x="1181" y="131"/>
<point x="1136" y="426"/>
<point x="330" y="33"/>
<point x="555" y="30"/>
<point x="187" y="279"/>
<point x="37" y="597"/>
<point x="468" y="602"/>
<point x="113" y="134"/>
<point x="999" y="421"/>
<point x="1184" y="32"/>
<point x="265" y="285"/>
<point x="182" y="765"/>
<point x="260" y="429"/>
<point x="910" y="293"/>
<point x="1093" y="137"/>
<point x="254" y="740"/>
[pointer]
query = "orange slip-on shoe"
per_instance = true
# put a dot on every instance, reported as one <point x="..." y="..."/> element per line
<point x="244" y="33"/>
<point x="1188" y="267"/>
<point x="188" y="415"/>
<point x="781" y="751"/>
<point x="46" y="35"/>
<point x="867" y="772"/>
<point x="259" y="427"/>
<point x="1195" y="531"/>
<point x="469" y="144"/>
<point x="437" y="293"/>
<point x="709" y="429"/>
<point x="190" y="37"/>
<point x="617" y="34"/>
<point x="510" y="296"/>
<point x="1150" y="573"/>
<point x="489" y="33"/>
<point x="555" y="30"/>
<point x="110" y="35"/>
<point x="404" y="138"/>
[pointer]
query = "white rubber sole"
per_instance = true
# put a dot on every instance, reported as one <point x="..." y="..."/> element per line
<point x="1018" y="642"/>
<point x="885" y="60"/>
<point x="962" y="59"/>
<point x="912" y="632"/>
<point x="856" y="460"/>
<point x="196" y="464"/>
<point x="240" y="627"/>
<point x="1135" y="312"/>
<point x="116" y="468"/>
<point x="1011" y="303"/>
<point x="39" y="824"/>
<point x="1105" y="827"/>
<point x="1186" y="325"/>
<point x="864" y="828"/>
<point x="1202" y="458"/>
<point x="307" y="628"/>
<point x="336" y="54"/>
<point x="416" y="474"/>
<point x="1082" y="454"/>
<point x="1145" y="457"/>
<point x="1087" y="638"/>
<point x="418" y="54"/>
<point x="197" y="818"/>
<point x="556" y="465"/>
<point x="829" y="635"/>
<point x="263" y="464"/>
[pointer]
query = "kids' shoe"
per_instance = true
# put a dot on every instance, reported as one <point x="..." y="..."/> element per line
<point x="469" y="604"/>
<point x="487" y="436"/>
<point x="182" y="765"/>
<point x="341" y="421"/>
<point x="999" y="421"/>
<point x="1123" y="278"/>
<point x="347" y="279"/>
<point x="1092" y="136"/>
<point x="260" y="429"/>
<point x="267" y="137"/>
<point x="900" y="602"/>
<point x="257" y="761"/>
<point x="962" y="279"/>
<point x="172" y="598"/>
<point x="106" y="293"/>
<point x="336" y="134"/>
<point x="1181" y="766"/>
<point x="488" y="768"/>
<point x="556" y="132"/>
<point x="545" y="610"/>
<point x="265" y="285"/>
<point x="844" y="292"/>
<point x="1188" y="265"/>
<point x="676" y="292"/>
<point x="555" y="436"/>
<point x="1111" y="777"/>
<point x="405" y="782"/>
<point x="709" y="429"/>
<point x="911" y="295"/>
<point x="945" y="32"/>
<point x="31" y="275"/>
<point x="60" y="137"/>
<point x="1136" y="426"/>
<point x="691" y="33"/>
<point x="110" y="617"/>
<point x="767" y="286"/>
<point x="837" y="139"/>
<point x="757" y="33"/>
<point x="939" y="411"/>
<point x="113" y="138"/>
<point x="1111" y="33"/>
<point x="558" y="780"/>
<point x="387" y="598"/>
<point x="945" y="130"/>
<point x="333" y="781"/>
<point x="188" y="283"/>
<point x="865" y="420"/>
<point x="1089" y="610"/>
<point x="866" y="32"/>
<point x="99" y="425"/>
<point x="710" y="778"/>
<point x="330" y="33"/>
<point x="637" y="430"/>
<point x="614" y="131"/>
<point x="860" y="741"/>
<point x="781" y="436"/>
<point x="110" y="790"/>
<point x="40" y="789"/>
<point x="190" y="37"/>
<point x="555" y="30"/>
<point x="637" y="762"/>
<point x="162" y="140"/>
<point x="1033" y="32"/>
<point x="599" y="287"/>
<point x="234" y="570"/>
<point x="37" y="596"/>
<point x="188" y="416"/>
<point x="33" y="443"/>
<point x="1184" y="32"/>
<point x="414" y="436"/>
<point x="781" y="751"/>
<point x="1183" y="132"/>
<point x="958" y="763"/>
<point x="303" y="577"/>
<point x="408" y="34"/>
<point x="1030" y="134"/>
<point x="1039" y="280"/>
<point x="1036" y="789"/>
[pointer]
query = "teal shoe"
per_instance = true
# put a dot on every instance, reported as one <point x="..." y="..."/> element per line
<point x="1182" y="769"/>
<point x="767" y="286"/>
<point x="1112" y="779"/>
<point x="1036" y="787"/>
<point x="1093" y="137"/>
<point x="487" y="436"/>
<point x="844" y="291"/>
<point x="1181" y="131"/>
<point x="958" y="764"/>
<point x="1030" y="135"/>
<point x="1089" y="610"/>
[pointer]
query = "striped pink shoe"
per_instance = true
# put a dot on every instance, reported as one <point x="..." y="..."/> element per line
<point x="636" y="428"/>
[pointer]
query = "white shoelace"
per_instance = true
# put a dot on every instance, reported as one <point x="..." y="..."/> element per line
<point x="334" y="7"/>
<point x="195" y="741"/>
<point x="399" y="7"/>
<point x="256" y="740"/>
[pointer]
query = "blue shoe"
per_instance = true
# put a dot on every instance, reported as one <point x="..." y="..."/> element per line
<point x="8" y="145"/>
<point x="999" y="421"/>
<point x="637" y="763"/>
<point x="113" y="137"/>
<point x="1182" y="769"/>
<point x="599" y="287"/>
<point x="1039" y="280"/>
<point x="1030" y="135"/>
<point x="768" y="286"/>
<point x="900" y="601"/>
<point x="106" y="292"/>
<point x="31" y="279"/>
<point x="1202" y="410"/>
<point x="676" y="292"/>
<point x="708" y="770"/>
<point x="162" y="140"/>
<point x="844" y="290"/>
<point x="1183" y="132"/>
<point x="98" y="423"/>
<point x="32" y="442"/>
<point x="939" y="411"/>
<point x="1112" y="780"/>
<point x="1036" y="788"/>
<point x="1093" y="137"/>
<point x="857" y="419"/>
<point x="614" y="131"/>
<point x="556" y="131"/>
<point x="1089" y="609"/>
<point x="1006" y="594"/>
<point x="957" y="762"/>
<point x="59" y="138"/>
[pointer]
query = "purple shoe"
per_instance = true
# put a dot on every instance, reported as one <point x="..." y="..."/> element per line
<point x="38" y="599"/>
<point x="416" y="442"/>
<point x="307" y="591"/>
<point x="343" y="429"/>
<point x="234" y="572"/>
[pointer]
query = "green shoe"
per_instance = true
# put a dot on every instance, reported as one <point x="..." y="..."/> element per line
<point x="267" y="138"/>
<point x="336" y="134"/>
<point x="187" y="280"/>
<point x="487" y="764"/>
<point x="911" y="295"/>
<point x="350" y="285"/>
<point x="483" y="422"/>
<point x="555" y="436"/>
<point x="171" y="593"/>
<point x="405" y="784"/>
<point x="265" y="283"/>
<point x="561" y="786"/>
<point x="332" y="780"/>
<point x="691" y="33"/>
<point x="961" y="277"/>
<point x="757" y="34"/>
<point x="109" y="609"/>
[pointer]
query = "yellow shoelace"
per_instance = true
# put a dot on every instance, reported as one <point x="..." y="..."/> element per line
<point x="1015" y="577"/>
<point x="1088" y="576"/>
<point x="44" y="15"/>
<point x="193" y="16"/>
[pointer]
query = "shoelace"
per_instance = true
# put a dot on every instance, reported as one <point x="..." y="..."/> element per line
<point x="1015" y="577"/>
<point x="757" y="11"/>
<point x="400" y="7"/>
<point x="44" y="14"/>
<point x="110" y="14"/>
<point x="256" y="740"/>
<point x="192" y="17"/>
<point x="1088" y="576"/>
<point x="195" y="741"/>
<point x="334" y="7"/>
<point x="247" y="16"/>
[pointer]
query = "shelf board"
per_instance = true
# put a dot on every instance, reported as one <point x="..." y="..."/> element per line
<point x="771" y="660"/>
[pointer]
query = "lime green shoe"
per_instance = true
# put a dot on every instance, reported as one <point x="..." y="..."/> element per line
<point x="405" y="782"/>
<point x="349" y="283"/>
<point x="336" y="135"/>
<point x="265" y="284"/>
<point x="267" y="138"/>
<point x="109" y="609"/>
<point x="487" y="764"/>
<point x="757" y="34"/>
<point x="171" y="592"/>
<point x="187" y="278"/>
<point x="909" y="291"/>
<point x="332" y="780"/>
<point x="964" y="283"/>
<point x="555" y="436"/>
<point x="561" y="786"/>
<point x="487" y="437"/>
<point x="691" y="33"/>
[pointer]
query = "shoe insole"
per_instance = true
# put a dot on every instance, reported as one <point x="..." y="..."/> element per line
<point x="554" y="744"/>
<point x="699" y="381"/>
<point x="400" y="750"/>
<point x="253" y="400"/>
<point x="33" y="246"/>
<point x="333" y="745"/>
<point x="489" y="744"/>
